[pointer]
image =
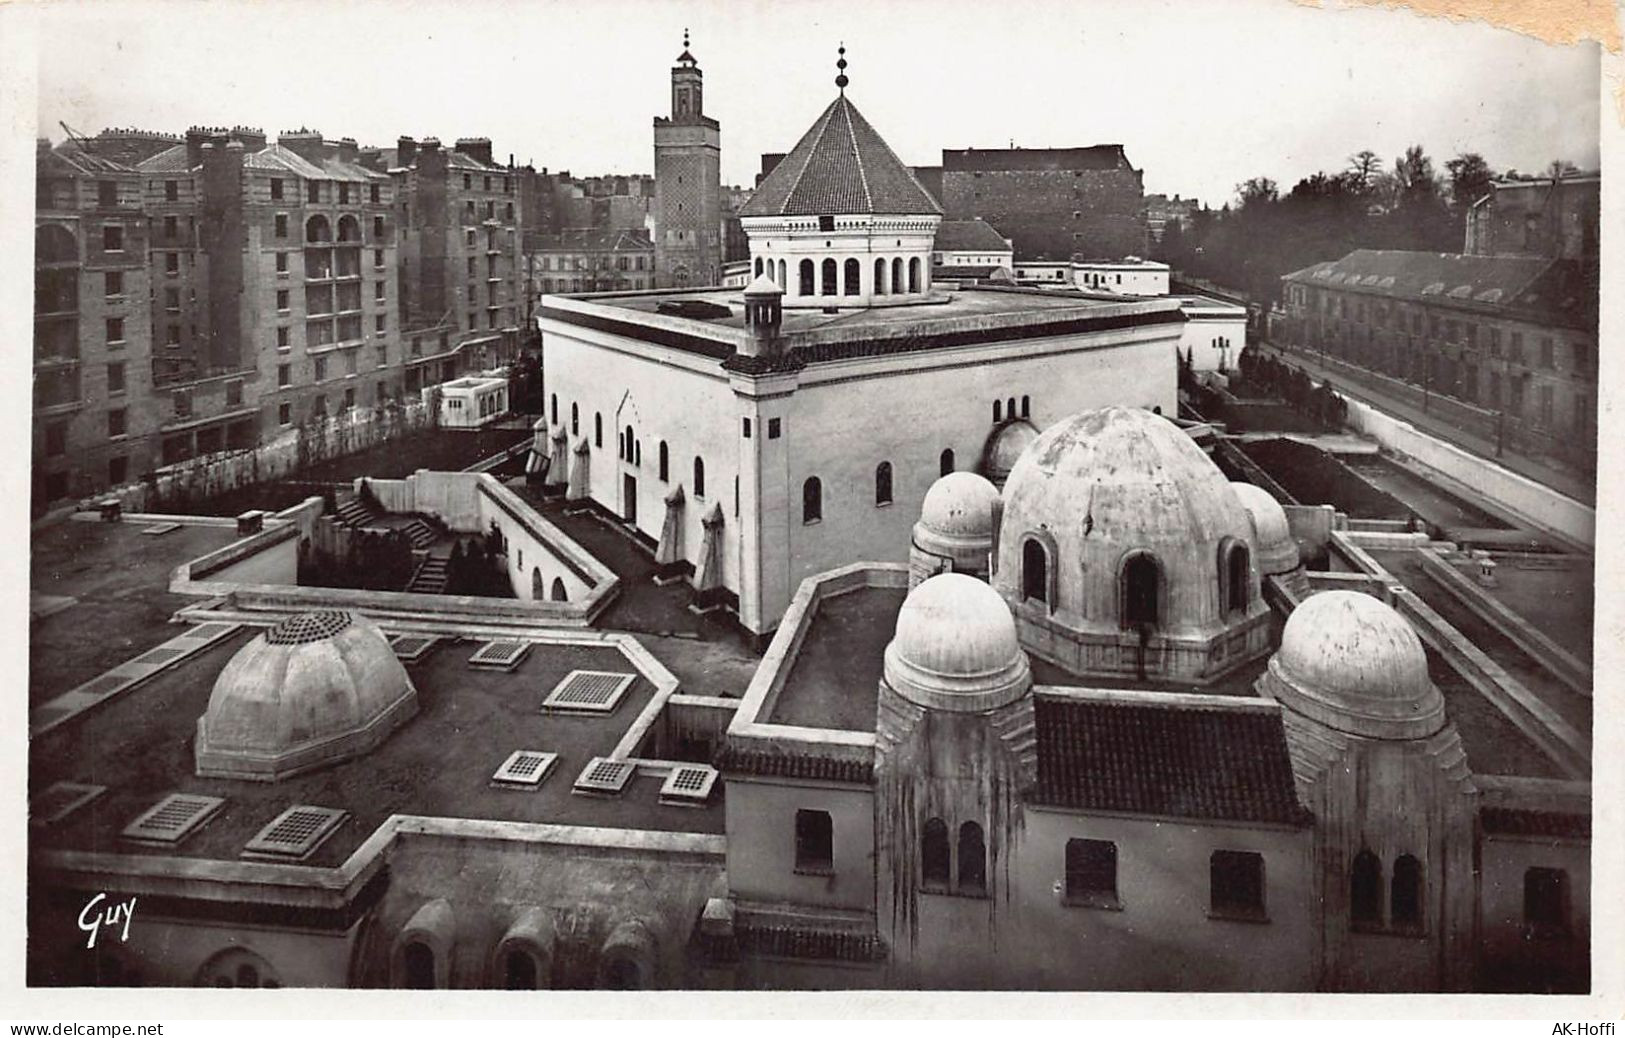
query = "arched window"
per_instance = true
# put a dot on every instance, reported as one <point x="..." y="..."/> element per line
<point x="1405" y="901"/>
<point x="897" y="275"/>
<point x="934" y="864"/>
<point x="1026" y="407"/>
<point x="782" y="281"/>
<point x="914" y="274"/>
<point x="317" y="229"/>
<point x="597" y="429"/>
<point x="972" y="860"/>
<point x="629" y="441"/>
<point x="830" y="271"/>
<point x="1035" y="570"/>
<point x="575" y="420"/>
<point x="555" y="408"/>
<point x="998" y="411"/>
<point x="1365" y="890"/>
<point x="806" y="278"/>
<point x="1236" y="572"/>
<point x="418" y="961"/>
<point x="1141" y="577"/>
<point x="852" y="274"/>
<point x="55" y="244"/>
<point x="699" y="477"/>
<point x="945" y="463"/>
<point x="880" y="277"/>
<point x="637" y="453"/>
<point x="622" y="973"/>
<point x="883" y="483"/>
<point x="558" y="593"/>
<point x="1010" y="408"/>
<point x="349" y="228"/>
<point x="663" y="459"/>
<point x="538" y="585"/>
<point x="758" y="267"/>
<point x="519" y="970"/>
<point x="812" y="500"/>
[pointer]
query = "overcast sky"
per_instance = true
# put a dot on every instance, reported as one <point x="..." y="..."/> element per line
<point x="1202" y="93"/>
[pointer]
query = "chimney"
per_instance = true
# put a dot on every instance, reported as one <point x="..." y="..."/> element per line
<point x="197" y="137"/>
<point x="349" y="150"/>
<point x="252" y="138"/>
<point x="406" y="151"/>
<point x="476" y="148"/>
<point x="307" y="144"/>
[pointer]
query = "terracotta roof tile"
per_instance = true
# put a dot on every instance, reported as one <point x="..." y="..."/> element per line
<point x="840" y="166"/>
<point x="1174" y="760"/>
<point x="794" y="765"/>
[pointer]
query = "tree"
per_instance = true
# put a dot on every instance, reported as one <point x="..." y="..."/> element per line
<point x="1256" y="190"/>
<point x="1469" y="179"/>
<point x="1364" y="167"/>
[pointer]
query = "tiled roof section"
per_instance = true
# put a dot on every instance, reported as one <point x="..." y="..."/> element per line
<point x="582" y="239"/>
<point x="1508" y="821"/>
<point x="278" y="158"/>
<point x="463" y="160"/>
<point x="78" y="160"/>
<point x="988" y="160"/>
<point x="1524" y="283"/>
<point x="969" y="236"/>
<point x="801" y="942"/>
<point x="840" y="167"/>
<point x="794" y="765"/>
<point x="170" y="160"/>
<point x="1171" y="760"/>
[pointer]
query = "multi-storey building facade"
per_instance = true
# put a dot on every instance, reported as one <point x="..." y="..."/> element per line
<point x="92" y="341"/>
<point x="688" y="184"/>
<point x="586" y="260"/>
<point x="1557" y="218"/>
<point x="1511" y="339"/>
<point x="1053" y="203"/>
<point x="462" y="291"/>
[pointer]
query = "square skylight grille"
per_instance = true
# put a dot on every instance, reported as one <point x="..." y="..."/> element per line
<point x="688" y="784"/>
<point x="602" y="775"/>
<point x="103" y="685"/>
<point x="172" y="819"/>
<point x="525" y="769"/>
<point x="158" y="657"/>
<point x="59" y="800"/>
<point x="204" y="631"/>
<point x="159" y="529"/>
<point x="502" y="655"/>
<point x="593" y="691"/>
<point x="295" y="834"/>
<point x="409" y="648"/>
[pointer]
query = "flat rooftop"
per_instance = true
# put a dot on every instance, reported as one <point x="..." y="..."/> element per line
<point x="439" y="764"/>
<point x="99" y="595"/>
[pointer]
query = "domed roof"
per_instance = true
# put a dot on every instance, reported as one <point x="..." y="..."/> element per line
<point x="961" y="505"/>
<point x="1278" y="551"/>
<point x="315" y="689"/>
<point x="763" y="287"/>
<point x="1005" y="446"/>
<point x="955" y="647"/>
<point x="1349" y="661"/>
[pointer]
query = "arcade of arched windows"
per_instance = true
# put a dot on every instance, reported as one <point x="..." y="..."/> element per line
<point x="843" y="275"/>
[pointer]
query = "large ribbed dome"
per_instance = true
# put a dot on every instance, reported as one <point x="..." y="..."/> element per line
<point x="1107" y="485"/>
<point x="1349" y="661"/>
<point x="1277" y="550"/>
<point x="315" y="689"/>
<point x="955" y="647"/>
<point x="1005" y="446"/>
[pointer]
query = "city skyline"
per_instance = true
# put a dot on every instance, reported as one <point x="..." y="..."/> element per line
<point x="963" y="80"/>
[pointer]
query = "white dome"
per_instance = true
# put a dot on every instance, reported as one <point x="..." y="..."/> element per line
<point x="955" y="647"/>
<point x="1349" y="661"/>
<point x="315" y="689"/>
<point x="1277" y="550"/>
<point x="961" y="506"/>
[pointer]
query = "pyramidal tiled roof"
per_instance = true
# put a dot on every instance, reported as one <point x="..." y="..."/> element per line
<point x="839" y="167"/>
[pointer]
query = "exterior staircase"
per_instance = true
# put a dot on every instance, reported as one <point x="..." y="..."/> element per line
<point x="430" y="578"/>
<point x="356" y="512"/>
<point x="421" y="533"/>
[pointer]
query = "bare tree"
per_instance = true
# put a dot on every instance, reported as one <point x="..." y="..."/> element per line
<point x="1364" y="167"/>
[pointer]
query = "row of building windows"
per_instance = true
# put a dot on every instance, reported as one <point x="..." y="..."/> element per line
<point x="1006" y="409"/>
<point x="1139" y="580"/>
<point x="602" y="262"/>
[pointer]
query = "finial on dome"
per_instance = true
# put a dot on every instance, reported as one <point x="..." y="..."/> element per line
<point x="685" y="37"/>
<point x="840" y="64"/>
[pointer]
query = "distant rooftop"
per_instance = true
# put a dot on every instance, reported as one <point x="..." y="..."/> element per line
<point x="969" y="236"/>
<point x="1095" y="157"/>
<point x="1511" y="282"/>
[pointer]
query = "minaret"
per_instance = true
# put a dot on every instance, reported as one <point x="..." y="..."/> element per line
<point x="688" y="184"/>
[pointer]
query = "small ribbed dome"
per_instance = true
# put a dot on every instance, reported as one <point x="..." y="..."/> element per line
<point x="1277" y="550"/>
<point x="961" y="505"/>
<point x="1349" y="661"/>
<point x="955" y="647"/>
<point x="1005" y="446"/>
<point x="315" y="689"/>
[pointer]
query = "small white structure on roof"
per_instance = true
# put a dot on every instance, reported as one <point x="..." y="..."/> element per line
<point x="471" y="402"/>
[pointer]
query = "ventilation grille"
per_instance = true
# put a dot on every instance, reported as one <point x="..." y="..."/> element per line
<point x="295" y="834"/>
<point x="303" y="628"/>
<point x="159" y="657"/>
<point x="209" y="630"/>
<point x="525" y="769"/>
<point x="688" y="784"/>
<point x="502" y="655"/>
<point x="591" y="691"/>
<point x="409" y="648"/>
<point x="602" y="775"/>
<point x="59" y="800"/>
<point x="172" y="819"/>
<point x="159" y="529"/>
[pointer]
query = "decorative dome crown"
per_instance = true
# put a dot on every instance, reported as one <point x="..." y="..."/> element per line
<point x="315" y="689"/>
<point x="1350" y="662"/>
<point x="1277" y="550"/>
<point x="955" y="648"/>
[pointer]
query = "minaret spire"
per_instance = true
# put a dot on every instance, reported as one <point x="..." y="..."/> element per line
<point x="840" y="64"/>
